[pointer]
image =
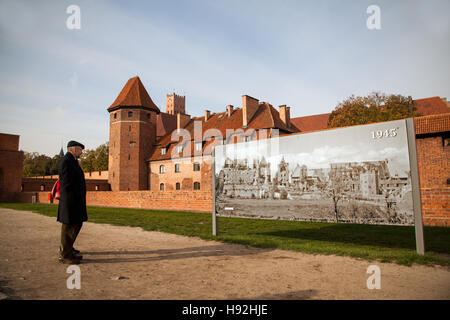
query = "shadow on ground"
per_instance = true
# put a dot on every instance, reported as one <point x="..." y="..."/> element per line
<point x="168" y="254"/>
<point x="290" y="295"/>
<point x="436" y="239"/>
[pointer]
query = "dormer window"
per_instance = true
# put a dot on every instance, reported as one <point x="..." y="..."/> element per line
<point x="180" y="149"/>
<point x="163" y="151"/>
<point x="198" y="146"/>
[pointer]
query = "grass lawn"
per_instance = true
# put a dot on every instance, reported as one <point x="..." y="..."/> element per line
<point x="369" y="242"/>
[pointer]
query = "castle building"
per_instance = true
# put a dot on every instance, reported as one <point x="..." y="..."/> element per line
<point x="147" y="148"/>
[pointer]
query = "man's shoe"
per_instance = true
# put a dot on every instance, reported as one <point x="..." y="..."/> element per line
<point x="78" y="256"/>
<point x="75" y="251"/>
<point x="70" y="260"/>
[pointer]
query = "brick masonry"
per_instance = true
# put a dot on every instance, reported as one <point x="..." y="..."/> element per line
<point x="193" y="201"/>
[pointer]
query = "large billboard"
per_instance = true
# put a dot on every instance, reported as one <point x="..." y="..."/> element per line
<point x="358" y="174"/>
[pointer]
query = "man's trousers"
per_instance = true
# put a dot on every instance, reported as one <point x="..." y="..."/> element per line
<point x="69" y="233"/>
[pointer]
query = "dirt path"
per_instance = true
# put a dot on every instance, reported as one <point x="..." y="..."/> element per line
<point x="156" y="265"/>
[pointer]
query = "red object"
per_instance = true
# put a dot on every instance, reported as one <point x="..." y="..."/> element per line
<point x="56" y="190"/>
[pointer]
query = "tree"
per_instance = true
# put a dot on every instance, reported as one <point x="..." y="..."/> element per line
<point x="334" y="189"/>
<point x="95" y="160"/>
<point x="35" y="164"/>
<point x="376" y="107"/>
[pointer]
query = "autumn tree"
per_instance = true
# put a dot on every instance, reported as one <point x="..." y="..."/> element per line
<point x="95" y="160"/>
<point x="375" y="107"/>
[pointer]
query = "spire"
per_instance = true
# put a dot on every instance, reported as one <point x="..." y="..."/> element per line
<point x="133" y="94"/>
<point x="61" y="153"/>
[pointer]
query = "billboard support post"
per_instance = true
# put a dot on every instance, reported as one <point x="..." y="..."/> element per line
<point x="415" y="186"/>
<point x="213" y="188"/>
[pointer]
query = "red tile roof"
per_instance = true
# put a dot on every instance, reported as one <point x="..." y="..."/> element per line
<point x="432" y="105"/>
<point x="165" y="123"/>
<point x="311" y="123"/>
<point x="133" y="94"/>
<point x="432" y="124"/>
<point x="266" y="117"/>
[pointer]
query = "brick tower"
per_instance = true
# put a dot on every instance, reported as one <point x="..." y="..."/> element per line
<point x="175" y="104"/>
<point x="132" y="133"/>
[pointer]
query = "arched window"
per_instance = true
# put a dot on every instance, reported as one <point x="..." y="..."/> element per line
<point x="161" y="187"/>
<point x="177" y="186"/>
<point x="161" y="169"/>
<point x="196" y="185"/>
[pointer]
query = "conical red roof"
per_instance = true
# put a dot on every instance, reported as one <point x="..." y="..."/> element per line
<point x="133" y="94"/>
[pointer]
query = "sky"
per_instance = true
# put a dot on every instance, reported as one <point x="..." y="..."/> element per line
<point x="322" y="148"/>
<point x="56" y="83"/>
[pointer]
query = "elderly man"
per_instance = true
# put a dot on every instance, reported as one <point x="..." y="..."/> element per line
<point x="72" y="203"/>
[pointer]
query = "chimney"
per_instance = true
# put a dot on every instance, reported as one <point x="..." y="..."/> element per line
<point x="249" y="108"/>
<point x="207" y="114"/>
<point x="285" y="115"/>
<point x="229" y="110"/>
<point x="182" y="120"/>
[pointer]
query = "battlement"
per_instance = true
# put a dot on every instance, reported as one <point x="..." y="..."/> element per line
<point x="175" y="104"/>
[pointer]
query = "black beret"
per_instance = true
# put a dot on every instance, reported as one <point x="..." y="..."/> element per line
<point x="74" y="144"/>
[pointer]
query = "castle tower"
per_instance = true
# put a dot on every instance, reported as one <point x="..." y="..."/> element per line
<point x="175" y="104"/>
<point x="132" y="133"/>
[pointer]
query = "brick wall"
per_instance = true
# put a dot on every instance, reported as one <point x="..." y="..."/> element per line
<point x="11" y="166"/>
<point x="35" y="184"/>
<point x="194" y="201"/>
<point x="436" y="205"/>
<point x="433" y="157"/>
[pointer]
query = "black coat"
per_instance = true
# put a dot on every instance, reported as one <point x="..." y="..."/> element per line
<point x="72" y="201"/>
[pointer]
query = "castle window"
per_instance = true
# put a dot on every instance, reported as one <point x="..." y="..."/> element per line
<point x="115" y="115"/>
<point x="161" y="187"/>
<point x="132" y="143"/>
<point x="148" y="116"/>
<point x="163" y="151"/>
<point x="177" y="186"/>
<point x="130" y="114"/>
<point x="96" y="187"/>
<point x="177" y="167"/>
<point x="129" y="157"/>
<point x="196" y="185"/>
<point x="161" y="169"/>
<point x="196" y="166"/>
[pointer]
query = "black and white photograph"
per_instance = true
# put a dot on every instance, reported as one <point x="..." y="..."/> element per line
<point x="356" y="175"/>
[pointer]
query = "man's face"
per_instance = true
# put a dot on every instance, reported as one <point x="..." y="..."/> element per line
<point x="78" y="151"/>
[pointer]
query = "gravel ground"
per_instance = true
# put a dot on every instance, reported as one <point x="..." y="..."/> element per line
<point x="129" y="263"/>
